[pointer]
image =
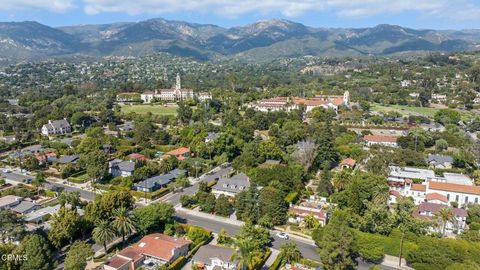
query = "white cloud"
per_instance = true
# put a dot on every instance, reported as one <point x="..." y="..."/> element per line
<point x="49" y="5"/>
<point x="460" y="9"/>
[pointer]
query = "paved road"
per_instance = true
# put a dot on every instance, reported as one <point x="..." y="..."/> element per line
<point x="84" y="194"/>
<point x="308" y="250"/>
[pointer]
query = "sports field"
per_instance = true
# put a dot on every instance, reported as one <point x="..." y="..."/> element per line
<point x="153" y="108"/>
<point x="423" y="111"/>
<point x="406" y="110"/>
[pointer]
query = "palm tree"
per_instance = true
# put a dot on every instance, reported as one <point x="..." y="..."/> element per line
<point x="341" y="179"/>
<point x="103" y="233"/>
<point x="39" y="181"/>
<point x="445" y="215"/>
<point x="290" y="253"/>
<point x="310" y="221"/>
<point x="246" y="254"/>
<point x="123" y="222"/>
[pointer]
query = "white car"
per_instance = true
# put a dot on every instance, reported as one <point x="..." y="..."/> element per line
<point x="282" y="235"/>
<point x="6" y="171"/>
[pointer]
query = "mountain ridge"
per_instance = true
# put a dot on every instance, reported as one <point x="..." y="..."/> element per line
<point x="261" y="40"/>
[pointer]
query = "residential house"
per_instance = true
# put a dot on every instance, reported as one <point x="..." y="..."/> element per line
<point x="231" y="186"/>
<point x="152" y="250"/>
<point x="47" y="157"/>
<point x="210" y="257"/>
<point x="68" y="159"/>
<point x="297" y="214"/>
<point x="24" y="207"/>
<point x="137" y="156"/>
<point x="348" y="163"/>
<point x="118" y="167"/>
<point x="439" y="161"/>
<point x="204" y="96"/>
<point x="180" y="153"/>
<point x="223" y="172"/>
<point x="42" y="215"/>
<point x="56" y="127"/>
<point x="427" y="211"/>
<point x="9" y="201"/>
<point x="154" y="183"/>
<point x="380" y="140"/>
<point x="433" y="190"/>
<point x="400" y="174"/>
<point x="211" y="136"/>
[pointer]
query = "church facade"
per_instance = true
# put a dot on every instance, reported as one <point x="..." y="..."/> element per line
<point x="170" y="95"/>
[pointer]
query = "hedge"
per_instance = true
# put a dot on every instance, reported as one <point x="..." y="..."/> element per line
<point x="277" y="263"/>
<point x="178" y="263"/>
<point x="264" y="259"/>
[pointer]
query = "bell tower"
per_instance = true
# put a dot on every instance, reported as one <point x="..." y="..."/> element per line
<point x="178" y="84"/>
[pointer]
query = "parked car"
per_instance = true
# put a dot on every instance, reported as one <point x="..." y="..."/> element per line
<point x="282" y="235"/>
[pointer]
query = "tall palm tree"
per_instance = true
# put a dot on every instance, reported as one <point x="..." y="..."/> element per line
<point x="123" y="222"/>
<point x="103" y="233"/>
<point x="445" y="215"/>
<point x="290" y="253"/>
<point x="246" y="254"/>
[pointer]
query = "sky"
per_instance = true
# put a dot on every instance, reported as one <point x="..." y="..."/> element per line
<point x="419" y="14"/>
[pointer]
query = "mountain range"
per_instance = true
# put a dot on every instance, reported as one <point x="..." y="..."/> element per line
<point x="262" y="40"/>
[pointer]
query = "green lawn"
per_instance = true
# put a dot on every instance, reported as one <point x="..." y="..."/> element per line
<point x="78" y="179"/>
<point x="406" y="110"/>
<point x="154" y="109"/>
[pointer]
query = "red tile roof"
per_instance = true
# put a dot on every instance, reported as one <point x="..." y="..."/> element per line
<point x="320" y="214"/>
<point x="436" y="197"/>
<point x="179" y="151"/>
<point x="160" y="245"/>
<point x="138" y="156"/>
<point x="454" y="187"/>
<point x="379" y="138"/>
<point x="348" y="161"/>
<point x="395" y="193"/>
<point x="419" y="187"/>
<point x="118" y="262"/>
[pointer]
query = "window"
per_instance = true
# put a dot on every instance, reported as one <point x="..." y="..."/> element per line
<point x="466" y="199"/>
<point x="476" y="200"/>
<point x="456" y="198"/>
<point x="448" y="197"/>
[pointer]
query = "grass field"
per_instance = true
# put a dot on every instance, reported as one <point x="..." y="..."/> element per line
<point x="154" y="109"/>
<point x="410" y="110"/>
<point x="406" y="110"/>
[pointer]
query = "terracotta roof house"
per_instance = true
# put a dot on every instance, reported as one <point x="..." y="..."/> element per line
<point x="298" y="214"/>
<point x="436" y="198"/>
<point x="138" y="156"/>
<point x="152" y="250"/>
<point x="180" y="153"/>
<point x="348" y="163"/>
